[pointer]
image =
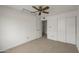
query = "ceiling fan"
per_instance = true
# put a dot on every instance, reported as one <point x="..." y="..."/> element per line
<point x="41" y="9"/>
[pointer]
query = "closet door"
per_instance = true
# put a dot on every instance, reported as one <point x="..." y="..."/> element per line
<point x="70" y="30"/>
<point x="61" y="29"/>
<point x="52" y="27"/>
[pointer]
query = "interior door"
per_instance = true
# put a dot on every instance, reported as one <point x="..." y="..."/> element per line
<point x="61" y="29"/>
<point x="70" y="30"/>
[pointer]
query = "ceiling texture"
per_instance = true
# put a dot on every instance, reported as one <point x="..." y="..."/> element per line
<point x="54" y="9"/>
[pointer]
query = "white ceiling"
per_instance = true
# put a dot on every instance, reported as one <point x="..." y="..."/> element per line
<point x="53" y="8"/>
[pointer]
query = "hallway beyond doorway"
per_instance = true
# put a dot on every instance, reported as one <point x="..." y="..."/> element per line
<point x="44" y="28"/>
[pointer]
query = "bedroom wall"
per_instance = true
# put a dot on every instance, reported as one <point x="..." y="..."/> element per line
<point x="17" y="27"/>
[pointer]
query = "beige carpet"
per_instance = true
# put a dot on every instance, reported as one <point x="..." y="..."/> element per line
<point x="44" y="45"/>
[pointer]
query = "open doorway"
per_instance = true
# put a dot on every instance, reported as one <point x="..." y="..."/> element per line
<point x="44" y="28"/>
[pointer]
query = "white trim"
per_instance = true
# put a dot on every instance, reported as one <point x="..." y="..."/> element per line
<point x="2" y="50"/>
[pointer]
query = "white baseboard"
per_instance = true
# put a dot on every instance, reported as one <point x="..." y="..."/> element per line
<point x="3" y="50"/>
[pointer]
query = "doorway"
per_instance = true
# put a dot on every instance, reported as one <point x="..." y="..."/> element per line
<point x="44" y="28"/>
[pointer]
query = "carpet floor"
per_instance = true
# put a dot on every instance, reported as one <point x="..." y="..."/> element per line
<point x="43" y="45"/>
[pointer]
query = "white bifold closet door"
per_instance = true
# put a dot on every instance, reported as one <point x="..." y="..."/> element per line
<point x="70" y="29"/>
<point x="61" y="29"/>
<point x="66" y="29"/>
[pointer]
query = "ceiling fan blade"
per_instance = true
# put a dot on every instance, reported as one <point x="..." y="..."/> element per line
<point x="45" y="12"/>
<point x="26" y="10"/>
<point x="39" y="13"/>
<point x="45" y="8"/>
<point x="35" y="8"/>
<point x="35" y="11"/>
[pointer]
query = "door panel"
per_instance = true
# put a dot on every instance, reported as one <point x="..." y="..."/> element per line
<point x="61" y="29"/>
<point x="70" y="30"/>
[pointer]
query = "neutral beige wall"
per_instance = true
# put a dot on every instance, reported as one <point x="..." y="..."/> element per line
<point x="16" y="27"/>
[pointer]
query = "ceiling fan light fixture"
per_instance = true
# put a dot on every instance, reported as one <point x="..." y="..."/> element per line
<point x="41" y="9"/>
